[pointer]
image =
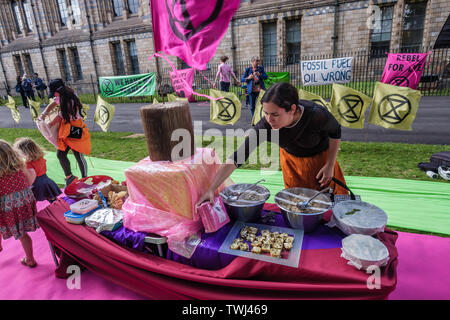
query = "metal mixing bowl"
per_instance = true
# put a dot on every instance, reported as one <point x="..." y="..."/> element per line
<point x="299" y="220"/>
<point x="243" y="209"/>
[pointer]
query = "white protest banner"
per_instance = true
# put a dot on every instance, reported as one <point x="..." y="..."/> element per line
<point x="319" y="72"/>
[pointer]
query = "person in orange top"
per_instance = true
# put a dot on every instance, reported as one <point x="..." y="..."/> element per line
<point x="43" y="187"/>
<point x="73" y="132"/>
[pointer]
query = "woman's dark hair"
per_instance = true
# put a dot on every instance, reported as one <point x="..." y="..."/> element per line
<point x="70" y="103"/>
<point x="283" y="94"/>
<point x="223" y="59"/>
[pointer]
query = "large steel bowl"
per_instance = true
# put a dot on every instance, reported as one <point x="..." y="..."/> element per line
<point x="244" y="209"/>
<point x="307" y="221"/>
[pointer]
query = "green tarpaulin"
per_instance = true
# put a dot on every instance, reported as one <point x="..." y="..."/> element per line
<point x="128" y="86"/>
<point x="411" y="204"/>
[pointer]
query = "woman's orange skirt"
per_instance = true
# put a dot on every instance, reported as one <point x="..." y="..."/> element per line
<point x="82" y="144"/>
<point x="302" y="171"/>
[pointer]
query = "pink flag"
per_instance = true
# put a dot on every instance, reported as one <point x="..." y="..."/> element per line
<point x="191" y="30"/>
<point x="404" y="69"/>
<point x="182" y="82"/>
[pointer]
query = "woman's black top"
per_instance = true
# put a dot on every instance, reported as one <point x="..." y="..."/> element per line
<point x="307" y="138"/>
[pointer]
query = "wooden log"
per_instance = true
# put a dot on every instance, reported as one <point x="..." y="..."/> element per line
<point x="161" y="122"/>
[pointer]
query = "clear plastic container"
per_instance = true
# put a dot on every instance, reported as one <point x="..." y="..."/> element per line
<point x="83" y="206"/>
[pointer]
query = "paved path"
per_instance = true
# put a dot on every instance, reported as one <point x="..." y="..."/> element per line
<point x="431" y="126"/>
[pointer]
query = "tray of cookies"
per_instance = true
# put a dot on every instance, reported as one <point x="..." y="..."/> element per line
<point x="263" y="242"/>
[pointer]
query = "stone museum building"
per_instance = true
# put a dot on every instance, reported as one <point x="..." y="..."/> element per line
<point x="81" y="40"/>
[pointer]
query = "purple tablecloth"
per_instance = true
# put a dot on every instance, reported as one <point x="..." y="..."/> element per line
<point x="206" y="256"/>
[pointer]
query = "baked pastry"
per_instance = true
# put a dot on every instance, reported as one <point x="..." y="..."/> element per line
<point x="256" y="243"/>
<point x="244" y="246"/>
<point x="253" y="230"/>
<point x="256" y="250"/>
<point x="235" y="246"/>
<point x="277" y="245"/>
<point x="288" y="245"/>
<point x="265" y="248"/>
<point x="289" y="239"/>
<point x="276" y="253"/>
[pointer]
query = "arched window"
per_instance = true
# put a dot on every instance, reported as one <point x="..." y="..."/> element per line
<point x="62" y="6"/>
<point x="17" y="17"/>
<point x="27" y="10"/>
<point x="117" y="7"/>
<point x="133" y="6"/>
<point x="76" y="12"/>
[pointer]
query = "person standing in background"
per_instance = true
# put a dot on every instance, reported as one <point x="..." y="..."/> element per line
<point x="27" y="85"/>
<point x="19" y="89"/>
<point x="223" y="74"/>
<point x="254" y="76"/>
<point x="40" y="87"/>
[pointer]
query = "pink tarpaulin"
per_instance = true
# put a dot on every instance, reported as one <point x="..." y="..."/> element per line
<point x="191" y="30"/>
<point x="422" y="272"/>
<point x="404" y="69"/>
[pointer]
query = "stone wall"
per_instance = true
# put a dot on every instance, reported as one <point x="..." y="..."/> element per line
<point x="243" y="39"/>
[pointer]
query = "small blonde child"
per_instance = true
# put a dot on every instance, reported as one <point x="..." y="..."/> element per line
<point x="17" y="202"/>
<point x="43" y="187"/>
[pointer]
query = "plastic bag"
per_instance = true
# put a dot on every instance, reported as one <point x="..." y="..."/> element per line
<point x="213" y="216"/>
<point x="363" y="251"/>
<point x="163" y="195"/>
<point x="49" y="132"/>
<point x="105" y="219"/>
<point x="359" y="217"/>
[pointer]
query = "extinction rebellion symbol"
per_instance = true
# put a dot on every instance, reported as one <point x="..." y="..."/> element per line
<point x="108" y="87"/>
<point x="399" y="81"/>
<point x="184" y="29"/>
<point x="395" y="108"/>
<point x="350" y="107"/>
<point x="225" y="114"/>
<point x="103" y="115"/>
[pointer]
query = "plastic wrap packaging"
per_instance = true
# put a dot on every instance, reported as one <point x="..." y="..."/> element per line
<point x="358" y="217"/>
<point x="363" y="251"/>
<point x="163" y="195"/>
<point x="106" y="219"/>
<point x="213" y="216"/>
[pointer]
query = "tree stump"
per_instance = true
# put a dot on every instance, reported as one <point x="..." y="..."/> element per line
<point x="168" y="130"/>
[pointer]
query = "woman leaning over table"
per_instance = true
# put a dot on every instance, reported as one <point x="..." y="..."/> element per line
<point x="309" y="138"/>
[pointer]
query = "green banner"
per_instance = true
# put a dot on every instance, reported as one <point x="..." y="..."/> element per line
<point x="274" y="77"/>
<point x="128" y="86"/>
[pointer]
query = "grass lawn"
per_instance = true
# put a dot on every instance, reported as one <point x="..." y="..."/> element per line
<point x="369" y="159"/>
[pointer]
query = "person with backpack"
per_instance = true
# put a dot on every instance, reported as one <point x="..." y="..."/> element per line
<point x="40" y="87"/>
<point x="19" y="89"/>
<point x="27" y="85"/>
